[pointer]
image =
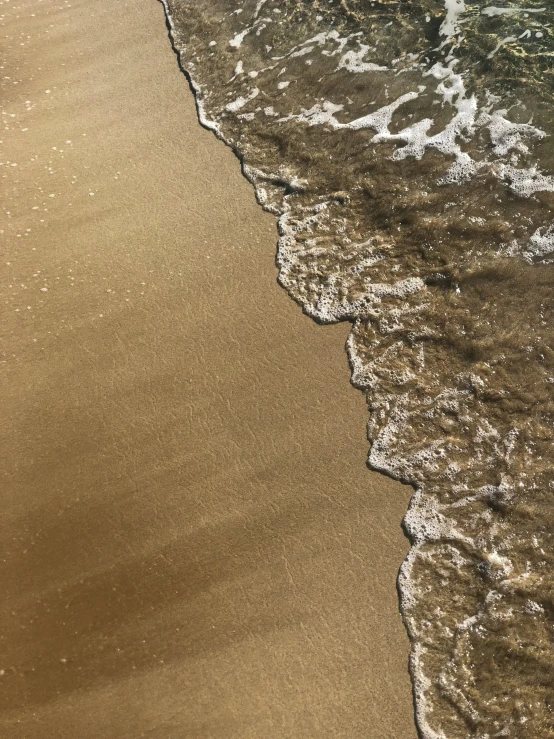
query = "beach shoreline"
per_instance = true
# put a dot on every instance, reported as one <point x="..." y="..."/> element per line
<point x="195" y="547"/>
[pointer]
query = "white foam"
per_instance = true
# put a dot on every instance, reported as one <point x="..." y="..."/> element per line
<point x="506" y="135"/>
<point x="241" y="101"/>
<point x="259" y="6"/>
<point x="450" y="26"/>
<point x="352" y="61"/>
<point x="526" y="181"/>
<point x="492" y="10"/>
<point x="500" y="44"/>
<point x="541" y="242"/>
<point x="236" y="41"/>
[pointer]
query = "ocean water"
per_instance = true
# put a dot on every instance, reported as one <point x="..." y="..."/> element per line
<point x="406" y="149"/>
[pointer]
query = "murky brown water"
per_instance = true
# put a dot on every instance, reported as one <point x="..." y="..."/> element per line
<point x="406" y="149"/>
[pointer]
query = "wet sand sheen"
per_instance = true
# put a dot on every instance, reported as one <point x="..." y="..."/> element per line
<point x="193" y="545"/>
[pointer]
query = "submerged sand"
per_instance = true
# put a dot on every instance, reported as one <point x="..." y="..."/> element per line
<point x="193" y="546"/>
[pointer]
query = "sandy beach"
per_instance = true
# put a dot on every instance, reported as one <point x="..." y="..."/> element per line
<point x="193" y="546"/>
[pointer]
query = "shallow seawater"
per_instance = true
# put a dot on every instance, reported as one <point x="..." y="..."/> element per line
<point x="406" y="149"/>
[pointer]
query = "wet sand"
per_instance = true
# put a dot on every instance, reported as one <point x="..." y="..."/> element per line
<point x="192" y="544"/>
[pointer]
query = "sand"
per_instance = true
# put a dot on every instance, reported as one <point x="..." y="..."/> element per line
<point x="192" y="544"/>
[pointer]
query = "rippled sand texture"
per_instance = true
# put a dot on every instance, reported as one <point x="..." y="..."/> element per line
<point x="406" y="149"/>
<point x="192" y="545"/>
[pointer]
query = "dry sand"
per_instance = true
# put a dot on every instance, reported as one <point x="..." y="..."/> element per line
<point x="192" y="544"/>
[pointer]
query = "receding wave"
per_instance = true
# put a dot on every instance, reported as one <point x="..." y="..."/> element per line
<point x="406" y="149"/>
